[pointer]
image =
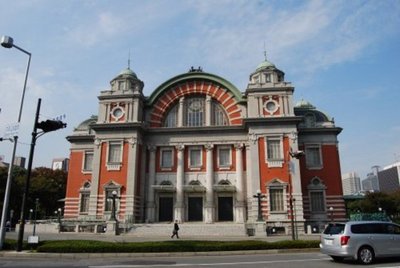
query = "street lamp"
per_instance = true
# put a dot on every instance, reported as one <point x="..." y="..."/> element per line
<point x="259" y="196"/>
<point x="35" y="216"/>
<point x="8" y="42"/>
<point x="331" y="210"/>
<point x="113" y="210"/>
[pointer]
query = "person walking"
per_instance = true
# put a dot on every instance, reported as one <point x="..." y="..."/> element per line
<point x="175" y="230"/>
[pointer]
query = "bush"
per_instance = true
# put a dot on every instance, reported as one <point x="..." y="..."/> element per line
<point x="90" y="246"/>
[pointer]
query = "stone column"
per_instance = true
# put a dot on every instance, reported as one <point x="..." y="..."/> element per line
<point x="94" y="186"/>
<point x="180" y="175"/>
<point x="151" y="181"/>
<point x="180" y="112"/>
<point x="131" y="182"/>
<point x="240" y="198"/>
<point x="208" y="110"/>
<point x="209" y="204"/>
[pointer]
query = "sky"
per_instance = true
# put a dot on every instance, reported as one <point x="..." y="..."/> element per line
<point x="342" y="56"/>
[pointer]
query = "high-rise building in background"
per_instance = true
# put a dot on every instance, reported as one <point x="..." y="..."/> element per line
<point x="60" y="163"/>
<point x="351" y="183"/>
<point x="371" y="183"/>
<point x="389" y="179"/>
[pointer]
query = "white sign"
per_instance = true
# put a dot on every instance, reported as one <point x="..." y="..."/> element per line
<point x="33" y="239"/>
<point x="11" y="130"/>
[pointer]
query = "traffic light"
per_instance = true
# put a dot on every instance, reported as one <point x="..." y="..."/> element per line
<point x="51" y="125"/>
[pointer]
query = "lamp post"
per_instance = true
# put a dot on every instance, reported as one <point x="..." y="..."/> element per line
<point x="259" y="196"/>
<point x="8" y="42"/>
<point x="35" y="216"/>
<point x="113" y="211"/>
<point x="45" y="126"/>
<point x="331" y="211"/>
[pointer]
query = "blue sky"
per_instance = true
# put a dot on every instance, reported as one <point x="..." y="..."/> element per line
<point x="342" y="56"/>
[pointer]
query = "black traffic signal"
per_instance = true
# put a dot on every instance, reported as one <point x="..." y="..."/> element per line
<point x="51" y="125"/>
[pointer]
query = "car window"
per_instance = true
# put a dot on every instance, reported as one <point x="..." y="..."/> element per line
<point x="392" y="229"/>
<point x="368" y="228"/>
<point x="334" y="228"/>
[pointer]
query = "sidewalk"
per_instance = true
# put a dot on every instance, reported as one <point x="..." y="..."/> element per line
<point x="129" y="237"/>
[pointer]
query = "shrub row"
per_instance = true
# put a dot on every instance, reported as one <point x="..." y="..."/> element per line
<point x="90" y="246"/>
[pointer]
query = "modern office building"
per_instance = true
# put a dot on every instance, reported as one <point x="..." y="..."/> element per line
<point x="389" y="178"/>
<point x="60" y="163"/>
<point x="371" y="183"/>
<point x="199" y="150"/>
<point x="351" y="183"/>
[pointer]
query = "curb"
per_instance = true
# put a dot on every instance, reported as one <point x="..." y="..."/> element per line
<point x="28" y="254"/>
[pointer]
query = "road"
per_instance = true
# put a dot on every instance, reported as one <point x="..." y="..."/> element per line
<point x="298" y="260"/>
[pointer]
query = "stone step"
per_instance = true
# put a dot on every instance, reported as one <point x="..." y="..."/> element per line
<point x="192" y="229"/>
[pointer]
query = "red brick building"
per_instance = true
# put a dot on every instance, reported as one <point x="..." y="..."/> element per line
<point x="198" y="150"/>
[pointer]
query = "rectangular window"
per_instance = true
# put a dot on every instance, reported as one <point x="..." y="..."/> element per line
<point x="195" y="157"/>
<point x="88" y="161"/>
<point x="224" y="157"/>
<point x="115" y="152"/>
<point x="121" y="85"/>
<point x="276" y="199"/>
<point x="313" y="156"/>
<point x="84" y="207"/>
<point x="274" y="149"/>
<point x="317" y="201"/>
<point x="166" y="158"/>
<point x="267" y="77"/>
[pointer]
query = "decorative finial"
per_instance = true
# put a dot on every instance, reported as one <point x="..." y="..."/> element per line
<point x="265" y="52"/>
<point x="129" y="59"/>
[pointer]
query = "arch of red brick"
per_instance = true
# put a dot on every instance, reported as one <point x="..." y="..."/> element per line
<point x="218" y="93"/>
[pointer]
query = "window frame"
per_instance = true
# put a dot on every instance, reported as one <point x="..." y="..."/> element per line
<point x="222" y="165"/>
<point x="311" y="163"/>
<point x="85" y="166"/>
<point x="196" y="166"/>
<point x="171" y="164"/>
<point x="274" y="162"/>
<point x="114" y="165"/>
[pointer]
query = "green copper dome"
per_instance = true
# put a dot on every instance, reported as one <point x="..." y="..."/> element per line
<point x="265" y="64"/>
<point x="128" y="72"/>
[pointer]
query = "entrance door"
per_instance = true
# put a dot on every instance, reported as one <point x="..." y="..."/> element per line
<point x="225" y="208"/>
<point x="165" y="208"/>
<point x="195" y="209"/>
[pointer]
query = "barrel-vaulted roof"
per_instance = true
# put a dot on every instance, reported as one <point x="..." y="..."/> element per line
<point x="193" y="76"/>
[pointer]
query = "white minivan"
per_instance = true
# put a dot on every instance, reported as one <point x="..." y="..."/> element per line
<point x="361" y="240"/>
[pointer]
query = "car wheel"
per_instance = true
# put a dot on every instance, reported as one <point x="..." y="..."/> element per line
<point x="337" y="258"/>
<point x="365" y="255"/>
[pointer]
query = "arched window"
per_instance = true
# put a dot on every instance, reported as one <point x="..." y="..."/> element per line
<point x="219" y="117"/>
<point x="84" y="198"/>
<point x="316" y="190"/>
<point x="195" y="112"/>
<point x="171" y="118"/>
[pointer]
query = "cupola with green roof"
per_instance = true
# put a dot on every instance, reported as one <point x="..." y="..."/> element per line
<point x="127" y="80"/>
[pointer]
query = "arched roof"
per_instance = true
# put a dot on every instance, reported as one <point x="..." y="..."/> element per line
<point x="194" y="76"/>
<point x="85" y="124"/>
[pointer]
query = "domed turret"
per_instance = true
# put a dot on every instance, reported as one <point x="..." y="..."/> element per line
<point x="266" y="72"/>
<point x="126" y="80"/>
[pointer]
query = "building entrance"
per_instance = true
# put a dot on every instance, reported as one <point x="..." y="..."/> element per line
<point x="165" y="209"/>
<point x="195" y="209"/>
<point x="225" y="208"/>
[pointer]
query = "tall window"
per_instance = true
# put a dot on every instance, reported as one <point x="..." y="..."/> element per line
<point x="195" y="112"/>
<point x="115" y="152"/>
<point x="276" y="199"/>
<point x="219" y="117"/>
<point x="224" y="157"/>
<point x="108" y="201"/>
<point x="84" y="207"/>
<point x="274" y="148"/>
<point x="316" y="190"/>
<point x="166" y="158"/>
<point x="88" y="161"/>
<point x="317" y="201"/>
<point x="84" y="200"/>
<point x="313" y="156"/>
<point x="195" y="160"/>
<point x="172" y="117"/>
